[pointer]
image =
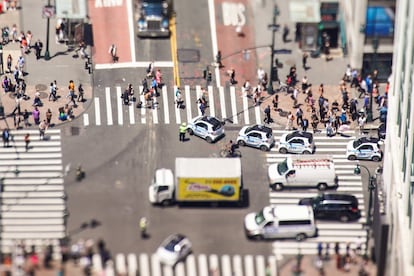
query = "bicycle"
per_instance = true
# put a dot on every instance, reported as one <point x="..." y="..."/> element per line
<point x="225" y="153"/>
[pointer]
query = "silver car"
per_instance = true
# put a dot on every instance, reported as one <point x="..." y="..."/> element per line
<point x="297" y="142"/>
<point x="207" y="127"/>
<point x="174" y="249"/>
<point x="258" y="136"/>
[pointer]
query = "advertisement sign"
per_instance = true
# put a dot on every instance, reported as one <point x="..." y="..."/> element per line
<point x="206" y="189"/>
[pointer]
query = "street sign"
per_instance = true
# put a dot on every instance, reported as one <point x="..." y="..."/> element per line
<point x="48" y="11"/>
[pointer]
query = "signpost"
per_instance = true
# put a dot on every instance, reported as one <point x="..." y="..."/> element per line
<point x="48" y="11"/>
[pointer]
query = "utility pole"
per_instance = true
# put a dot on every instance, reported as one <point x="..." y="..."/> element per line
<point x="48" y="11"/>
<point x="274" y="28"/>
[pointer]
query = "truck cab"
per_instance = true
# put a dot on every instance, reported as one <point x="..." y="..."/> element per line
<point x="161" y="190"/>
<point x="154" y="18"/>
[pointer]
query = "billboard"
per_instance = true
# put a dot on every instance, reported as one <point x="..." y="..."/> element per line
<point x="208" y="189"/>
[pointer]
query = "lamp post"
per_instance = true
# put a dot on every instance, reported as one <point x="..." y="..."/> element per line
<point x="375" y="45"/>
<point x="47" y="54"/>
<point x="274" y="28"/>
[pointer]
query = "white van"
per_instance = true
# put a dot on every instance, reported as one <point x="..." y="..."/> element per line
<point x="281" y="222"/>
<point x="303" y="172"/>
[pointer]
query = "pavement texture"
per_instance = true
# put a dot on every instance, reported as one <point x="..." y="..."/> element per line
<point x="63" y="65"/>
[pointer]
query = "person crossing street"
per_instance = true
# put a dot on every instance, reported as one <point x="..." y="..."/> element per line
<point x="183" y="130"/>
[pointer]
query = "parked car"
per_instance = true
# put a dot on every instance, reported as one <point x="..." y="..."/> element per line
<point x="297" y="142"/>
<point x="174" y="249"/>
<point x="207" y="127"/>
<point x="258" y="136"/>
<point x="364" y="148"/>
<point x="343" y="207"/>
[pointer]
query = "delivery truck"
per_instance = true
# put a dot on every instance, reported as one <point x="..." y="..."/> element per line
<point x="198" y="180"/>
<point x="304" y="171"/>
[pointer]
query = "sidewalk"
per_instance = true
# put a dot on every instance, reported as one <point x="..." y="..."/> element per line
<point x="62" y="67"/>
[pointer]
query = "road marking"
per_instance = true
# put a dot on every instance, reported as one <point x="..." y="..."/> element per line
<point x="226" y="265"/>
<point x="131" y="29"/>
<point x="155" y="112"/>
<point x="202" y="265"/>
<point x="173" y="39"/>
<point x="257" y="112"/>
<point x="211" y="101"/>
<point x="132" y="264"/>
<point x="214" y="263"/>
<point x="108" y="106"/>
<point x="233" y="105"/>
<point x="248" y="265"/>
<point x="188" y="102"/>
<point x="119" y="104"/>
<point x="198" y="93"/>
<point x="260" y="265"/>
<point x="131" y="113"/>
<point x="143" y="264"/>
<point x="222" y="103"/>
<point x="246" y="110"/>
<point x="85" y="119"/>
<point x="177" y="110"/>
<point x="165" y="102"/>
<point x="106" y="4"/>
<point x="97" y="112"/>
<point x="155" y="265"/>
<point x="237" y="265"/>
<point x="191" y="265"/>
<point x="233" y="14"/>
<point x="213" y="30"/>
<point x="138" y="64"/>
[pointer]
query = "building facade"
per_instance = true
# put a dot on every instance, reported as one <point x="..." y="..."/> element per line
<point x="398" y="173"/>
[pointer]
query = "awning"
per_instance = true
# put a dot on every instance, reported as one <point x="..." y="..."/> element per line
<point x="305" y="11"/>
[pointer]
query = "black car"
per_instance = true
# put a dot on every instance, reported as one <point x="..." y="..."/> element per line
<point x="341" y="207"/>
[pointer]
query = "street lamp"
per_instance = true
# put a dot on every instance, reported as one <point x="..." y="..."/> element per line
<point x="375" y="45"/>
<point x="274" y="28"/>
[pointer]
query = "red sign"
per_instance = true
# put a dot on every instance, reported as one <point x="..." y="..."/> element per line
<point x="48" y="11"/>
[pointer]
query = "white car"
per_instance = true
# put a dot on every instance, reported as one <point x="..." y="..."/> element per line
<point x="207" y="127"/>
<point x="364" y="148"/>
<point x="174" y="249"/>
<point x="297" y="142"/>
<point x="258" y="136"/>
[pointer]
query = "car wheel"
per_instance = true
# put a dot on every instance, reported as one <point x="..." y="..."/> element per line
<point x="166" y="203"/>
<point x="264" y="148"/>
<point x="209" y="140"/>
<point x="257" y="237"/>
<point x="376" y="159"/>
<point x="322" y="186"/>
<point x="352" y="157"/>
<point x="307" y="152"/>
<point x="283" y="150"/>
<point x="344" y="218"/>
<point x="277" y="186"/>
<point x="190" y="131"/>
<point x="300" y="237"/>
<point x="241" y="143"/>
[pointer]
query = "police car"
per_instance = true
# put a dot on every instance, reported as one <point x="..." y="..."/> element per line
<point x="258" y="136"/>
<point x="364" y="148"/>
<point x="297" y="142"/>
<point x="207" y="127"/>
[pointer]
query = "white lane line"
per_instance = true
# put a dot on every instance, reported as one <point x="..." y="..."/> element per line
<point x="97" y="112"/>
<point x="222" y="103"/>
<point x="191" y="265"/>
<point x="211" y="101"/>
<point x="132" y="264"/>
<point x="137" y="64"/>
<point x="257" y="113"/>
<point x="198" y="93"/>
<point x="108" y="106"/>
<point x="165" y="102"/>
<point x="131" y="113"/>
<point x="233" y="105"/>
<point x="155" y="112"/>
<point x="248" y="265"/>
<point x="246" y="110"/>
<point x="237" y="265"/>
<point x="202" y="265"/>
<point x="213" y="31"/>
<point x="143" y="265"/>
<point x="143" y="106"/>
<point x="226" y="265"/>
<point x="260" y="266"/>
<point x="131" y="30"/>
<point x="155" y="265"/>
<point x="177" y="110"/>
<point x="188" y="102"/>
<point x="119" y="105"/>
<point x="214" y="263"/>
<point x="86" y="119"/>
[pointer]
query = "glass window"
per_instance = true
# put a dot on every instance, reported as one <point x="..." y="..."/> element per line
<point x="380" y="21"/>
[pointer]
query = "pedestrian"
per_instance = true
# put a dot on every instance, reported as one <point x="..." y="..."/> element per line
<point x="232" y="74"/>
<point x="17" y="106"/>
<point x="327" y="251"/>
<point x="183" y="130"/>
<point x="257" y="94"/>
<point x="143" y="224"/>
<point x="112" y="52"/>
<point x="275" y="102"/>
<point x="150" y="70"/>
<point x="6" y="137"/>
<point x="336" y="248"/>
<point x="285" y="33"/>
<point x="305" y="60"/>
<point x="305" y="124"/>
<point x="202" y="108"/>
<point x="52" y="92"/>
<point x="260" y="74"/>
<point x="71" y="94"/>
<point x="48" y="116"/>
<point x="144" y="84"/>
<point x="154" y="86"/>
<point x="42" y="129"/>
<point x="178" y="98"/>
<point x="29" y="37"/>
<point x="36" y="115"/>
<point x="366" y="101"/>
<point x="158" y="78"/>
<point x="9" y="63"/>
<point x="320" y="247"/>
<point x="299" y="116"/>
<point x="268" y="119"/>
<point x="218" y="59"/>
<point x="27" y="141"/>
<point x="315" y="122"/>
<point x="290" y="119"/>
<point x="26" y="118"/>
<point x="38" y="48"/>
<point x="295" y="97"/>
<point x="20" y="63"/>
<point x="361" y="123"/>
<point x="16" y="120"/>
<point x="247" y="88"/>
<point x="81" y="93"/>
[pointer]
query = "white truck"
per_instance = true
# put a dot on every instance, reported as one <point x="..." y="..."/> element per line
<point x="303" y="172"/>
<point x="198" y="180"/>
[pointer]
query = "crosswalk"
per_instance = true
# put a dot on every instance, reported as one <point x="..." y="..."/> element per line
<point x="223" y="103"/>
<point x="33" y="207"/>
<point x="200" y="264"/>
<point x="330" y="232"/>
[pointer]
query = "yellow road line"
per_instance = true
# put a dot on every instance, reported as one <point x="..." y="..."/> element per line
<point x="173" y="39"/>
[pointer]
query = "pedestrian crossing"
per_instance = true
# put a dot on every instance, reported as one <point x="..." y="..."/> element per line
<point x="330" y="232"/>
<point x="200" y="264"/>
<point x="33" y="207"/>
<point x="224" y="103"/>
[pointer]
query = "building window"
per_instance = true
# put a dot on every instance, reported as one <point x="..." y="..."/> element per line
<point x="380" y="21"/>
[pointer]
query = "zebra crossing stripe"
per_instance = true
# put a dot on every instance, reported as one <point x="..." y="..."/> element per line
<point x="85" y="119"/>
<point x="249" y="265"/>
<point x="119" y="104"/>
<point x="257" y="111"/>
<point x="260" y="266"/>
<point x="177" y="110"/>
<point x="188" y="102"/>
<point x="214" y="263"/>
<point x="143" y="105"/>
<point x="143" y="264"/>
<point x="108" y="106"/>
<point x="97" y="112"/>
<point x="155" y="265"/>
<point x="191" y="267"/>
<point x="120" y="264"/>
<point x="246" y="109"/>
<point x="237" y="265"/>
<point x="211" y="101"/>
<point x="222" y="103"/>
<point x="198" y="94"/>
<point x="202" y="265"/>
<point x="226" y="265"/>
<point x="165" y="102"/>
<point x="233" y="104"/>
<point x="155" y="113"/>
<point x="132" y="264"/>
<point x="131" y="114"/>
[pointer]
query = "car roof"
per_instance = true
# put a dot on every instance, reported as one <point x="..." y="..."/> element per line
<point x="292" y="212"/>
<point x="333" y="196"/>
<point x="210" y="119"/>
<point x="262" y="128"/>
<point x="303" y="134"/>
<point x="368" y="140"/>
<point x="172" y="241"/>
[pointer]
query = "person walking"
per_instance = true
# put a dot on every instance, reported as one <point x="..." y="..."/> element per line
<point x="183" y="130"/>
<point x="48" y="116"/>
<point x="52" y="92"/>
<point x="42" y="129"/>
<point x="361" y="123"/>
<point x="36" y="115"/>
<point x="81" y="93"/>
<point x="268" y="119"/>
<point x="285" y="33"/>
<point x="305" y="124"/>
<point x="305" y="60"/>
<point x="6" y="137"/>
<point x="27" y="141"/>
<point x="232" y="74"/>
<point x="9" y="63"/>
<point x="18" y="101"/>
<point x="26" y="116"/>
<point x="112" y="51"/>
<point x="38" y="48"/>
<point x="143" y="224"/>
<point x="275" y="102"/>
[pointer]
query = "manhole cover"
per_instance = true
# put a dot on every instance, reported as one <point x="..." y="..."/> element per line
<point x="74" y="131"/>
<point x="188" y="55"/>
<point x="40" y="87"/>
<point x="43" y="95"/>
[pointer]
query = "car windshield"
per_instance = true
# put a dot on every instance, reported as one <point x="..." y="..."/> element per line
<point x="357" y="143"/>
<point x="216" y="123"/>
<point x="259" y="218"/>
<point x="171" y="245"/>
<point x="282" y="167"/>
